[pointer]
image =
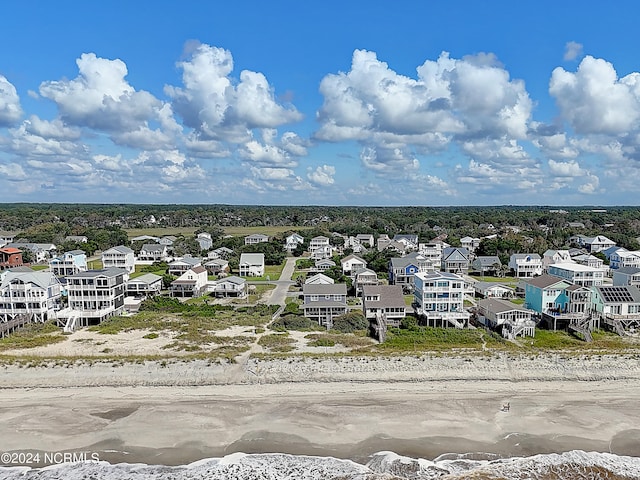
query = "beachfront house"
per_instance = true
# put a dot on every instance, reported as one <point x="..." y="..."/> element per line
<point x="94" y="296"/>
<point x="323" y="303"/>
<point x="618" y="307"/>
<point x="384" y="302"/>
<point x="509" y="319"/>
<point x="29" y="293"/>
<point x="439" y="299"/>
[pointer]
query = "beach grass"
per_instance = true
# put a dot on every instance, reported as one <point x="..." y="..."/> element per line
<point x="348" y="340"/>
<point x="277" y="342"/>
<point x="33" y="335"/>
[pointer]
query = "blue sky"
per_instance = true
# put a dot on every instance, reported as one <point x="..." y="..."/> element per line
<point x="329" y="103"/>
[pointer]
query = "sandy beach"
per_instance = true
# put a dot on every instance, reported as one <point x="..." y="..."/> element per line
<point x="347" y="408"/>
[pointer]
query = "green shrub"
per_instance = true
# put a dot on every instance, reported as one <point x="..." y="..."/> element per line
<point x="294" y="322"/>
<point x="350" y="322"/>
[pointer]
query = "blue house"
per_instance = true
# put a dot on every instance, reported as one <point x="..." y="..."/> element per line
<point x="546" y="294"/>
<point x="402" y="269"/>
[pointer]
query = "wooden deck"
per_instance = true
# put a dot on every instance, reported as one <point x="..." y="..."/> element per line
<point x="9" y="327"/>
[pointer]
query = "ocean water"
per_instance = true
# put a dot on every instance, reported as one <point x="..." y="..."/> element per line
<point x="573" y="465"/>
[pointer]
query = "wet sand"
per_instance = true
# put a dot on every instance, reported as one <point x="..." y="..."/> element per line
<point x="179" y="424"/>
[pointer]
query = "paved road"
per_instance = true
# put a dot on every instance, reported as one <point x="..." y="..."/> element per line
<point x="279" y="294"/>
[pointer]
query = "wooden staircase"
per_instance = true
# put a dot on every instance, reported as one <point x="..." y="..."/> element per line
<point x="581" y="328"/>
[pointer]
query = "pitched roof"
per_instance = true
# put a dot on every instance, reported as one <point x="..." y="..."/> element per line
<point x="252" y="258"/>
<point x="147" y="278"/>
<point x="390" y="295"/>
<point x="628" y="270"/>
<point x="119" y="249"/>
<point x="103" y="272"/>
<point x="544" y="281"/>
<point x="41" y="279"/>
<point x="325" y="289"/>
<point x="496" y="305"/>
<point x="232" y="279"/>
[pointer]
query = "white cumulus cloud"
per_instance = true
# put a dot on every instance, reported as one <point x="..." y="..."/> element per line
<point x="322" y="175"/>
<point x="595" y="100"/>
<point x="100" y="98"/>
<point x="10" y="110"/>
<point x="219" y="107"/>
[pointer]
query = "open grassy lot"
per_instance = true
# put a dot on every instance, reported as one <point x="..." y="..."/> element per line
<point x="160" y="231"/>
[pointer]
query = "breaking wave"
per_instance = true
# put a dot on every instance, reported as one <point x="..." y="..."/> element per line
<point x="574" y="465"/>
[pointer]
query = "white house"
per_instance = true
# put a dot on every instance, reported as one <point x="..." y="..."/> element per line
<point x="470" y="243"/>
<point x="439" y="297"/>
<point x="555" y="256"/>
<point x="153" y="252"/>
<point x="181" y="265"/>
<point x="577" y="274"/>
<point x="30" y="293"/>
<point x="146" y="285"/>
<point x="68" y="263"/>
<point x="320" y="248"/>
<point x="351" y="264"/>
<point x="593" y="244"/>
<point x="231" y="286"/>
<point x="251" y="265"/>
<point x="204" y="240"/>
<point x="292" y="242"/>
<point x="119" y="257"/>
<point x="493" y="290"/>
<point x="191" y="283"/>
<point x="365" y="238"/>
<point x="325" y="264"/>
<point x="525" y="265"/>
<point x="255" y="238"/>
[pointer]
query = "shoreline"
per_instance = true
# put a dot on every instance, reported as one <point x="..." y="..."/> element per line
<point x="177" y="371"/>
<point x="345" y="408"/>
